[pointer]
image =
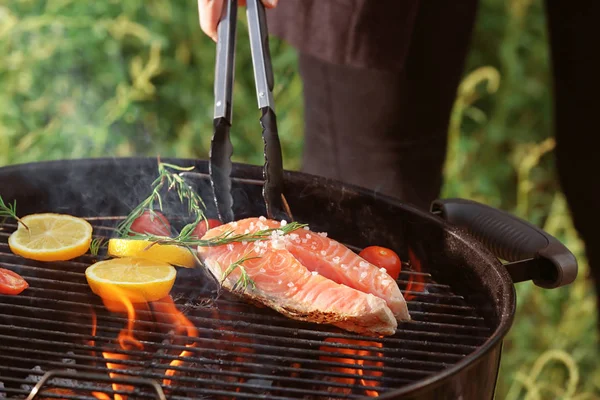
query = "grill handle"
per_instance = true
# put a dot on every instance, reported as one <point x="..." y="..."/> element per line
<point x="531" y="252"/>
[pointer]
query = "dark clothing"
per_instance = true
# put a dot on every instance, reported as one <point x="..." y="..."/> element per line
<point x="380" y="78"/>
<point x="387" y="130"/>
<point x="350" y="32"/>
<point x="573" y="34"/>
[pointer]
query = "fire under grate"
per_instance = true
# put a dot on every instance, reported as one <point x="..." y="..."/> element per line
<point x="189" y="347"/>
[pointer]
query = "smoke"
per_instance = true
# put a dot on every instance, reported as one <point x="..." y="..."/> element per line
<point x="101" y="79"/>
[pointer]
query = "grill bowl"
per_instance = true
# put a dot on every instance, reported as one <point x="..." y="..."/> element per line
<point x="450" y="350"/>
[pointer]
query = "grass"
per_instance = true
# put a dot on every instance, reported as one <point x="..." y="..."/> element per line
<point x="114" y="78"/>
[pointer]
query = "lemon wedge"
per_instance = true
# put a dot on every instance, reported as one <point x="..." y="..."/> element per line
<point x="136" y="279"/>
<point x="51" y="237"/>
<point x="168" y="253"/>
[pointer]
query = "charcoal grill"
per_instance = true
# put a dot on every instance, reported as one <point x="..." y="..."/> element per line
<point x="60" y="336"/>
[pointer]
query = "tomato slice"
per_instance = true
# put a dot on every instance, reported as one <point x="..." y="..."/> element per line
<point x="152" y="223"/>
<point x="11" y="283"/>
<point x="202" y="228"/>
<point x="383" y="258"/>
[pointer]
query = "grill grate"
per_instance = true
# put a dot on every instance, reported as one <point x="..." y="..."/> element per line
<point x="242" y="351"/>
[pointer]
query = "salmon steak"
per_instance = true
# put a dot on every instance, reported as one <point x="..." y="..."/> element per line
<point x="304" y="284"/>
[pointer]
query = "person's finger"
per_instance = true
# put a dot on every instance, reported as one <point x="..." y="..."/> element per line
<point x="209" y="13"/>
<point x="270" y="3"/>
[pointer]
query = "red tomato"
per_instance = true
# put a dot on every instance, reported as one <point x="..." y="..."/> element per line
<point x="11" y="282"/>
<point x="383" y="258"/>
<point x="201" y="228"/>
<point x="152" y="223"/>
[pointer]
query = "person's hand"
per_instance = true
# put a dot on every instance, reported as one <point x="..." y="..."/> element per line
<point x="209" y="12"/>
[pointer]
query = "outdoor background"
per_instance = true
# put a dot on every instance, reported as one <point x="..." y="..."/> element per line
<point x="116" y="78"/>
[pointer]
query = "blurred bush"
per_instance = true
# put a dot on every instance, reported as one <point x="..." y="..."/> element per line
<point x="116" y="78"/>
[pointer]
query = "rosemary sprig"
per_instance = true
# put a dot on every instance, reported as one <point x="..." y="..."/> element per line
<point x="170" y="181"/>
<point x="186" y="239"/>
<point x="10" y="210"/>
<point x="244" y="280"/>
<point x="97" y="244"/>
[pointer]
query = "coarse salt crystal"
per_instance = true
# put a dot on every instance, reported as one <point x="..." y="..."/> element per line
<point x="336" y="260"/>
<point x="261" y="218"/>
<point x="262" y="270"/>
<point x="290" y="284"/>
<point x="230" y="247"/>
<point x="363" y="275"/>
<point x="278" y="244"/>
<point x="323" y="253"/>
<point x="280" y="232"/>
<point x="363" y="264"/>
<point x="323" y="234"/>
<point x="314" y="273"/>
<point x="344" y="266"/>
<point x="304" y="241"/>
<point x="294" y="236"/>
<point x="234" y="224"/>
<point x="283" y="222"/>
<point x="306" y="228"/>
<point x="313" y="247"/>
<point x="308" y="236"/>
<point x="383" y="270"/>
<point x="279" y="282"/>
<point x="247" y="231"/>
<point x="244" y="242"/>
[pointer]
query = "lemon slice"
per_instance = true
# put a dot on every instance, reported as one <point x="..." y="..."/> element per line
<point x="137" y="279"/>
<point x="51" y="237"/>
<point x="172" y="254"/>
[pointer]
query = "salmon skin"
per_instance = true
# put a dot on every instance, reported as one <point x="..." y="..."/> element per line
<point x="295" y="281"/>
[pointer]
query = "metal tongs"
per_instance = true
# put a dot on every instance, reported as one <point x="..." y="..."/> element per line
<point x="221" y="148"/>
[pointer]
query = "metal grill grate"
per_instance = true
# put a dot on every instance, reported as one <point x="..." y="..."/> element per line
<point x="242" y="351"/>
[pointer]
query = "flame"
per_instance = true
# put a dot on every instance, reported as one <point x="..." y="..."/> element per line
<point x="354" y="365"/>
<point x="116" y="366"/>
<point x="56" y="391"/>
<point x="101" y="396"/>
<point x="416" y="282"/>
<point x="119" y="302"/>
<point x="183" y="326"/>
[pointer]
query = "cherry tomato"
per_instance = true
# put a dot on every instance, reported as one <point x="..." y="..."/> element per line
<point x="201" y="228"/>
<point x="152" y="223"/>
<point x="11" y="283"/>
<point x="383" y="258"/>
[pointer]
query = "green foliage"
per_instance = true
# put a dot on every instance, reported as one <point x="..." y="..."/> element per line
<point x="83" y="79"/>
<point x="116" y="78"/>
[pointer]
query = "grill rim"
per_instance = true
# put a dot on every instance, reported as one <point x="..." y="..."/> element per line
<point x="245" y="171"/>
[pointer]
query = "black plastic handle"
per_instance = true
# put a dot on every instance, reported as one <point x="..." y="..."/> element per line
<point x="512" y="239"/>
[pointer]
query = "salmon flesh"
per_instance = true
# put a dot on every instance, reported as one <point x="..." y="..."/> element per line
<point x="308" y="277"/>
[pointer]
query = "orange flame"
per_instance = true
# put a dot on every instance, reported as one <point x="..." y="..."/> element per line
<point x="101" y="396"/>
<point x="354" y="365"/>
<point x="416" y="282"/>
<point x="183" y="326"/>
<point x="56" y="391"/>
<point x="116" y="366"/>
<point x="119" y="302"/>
